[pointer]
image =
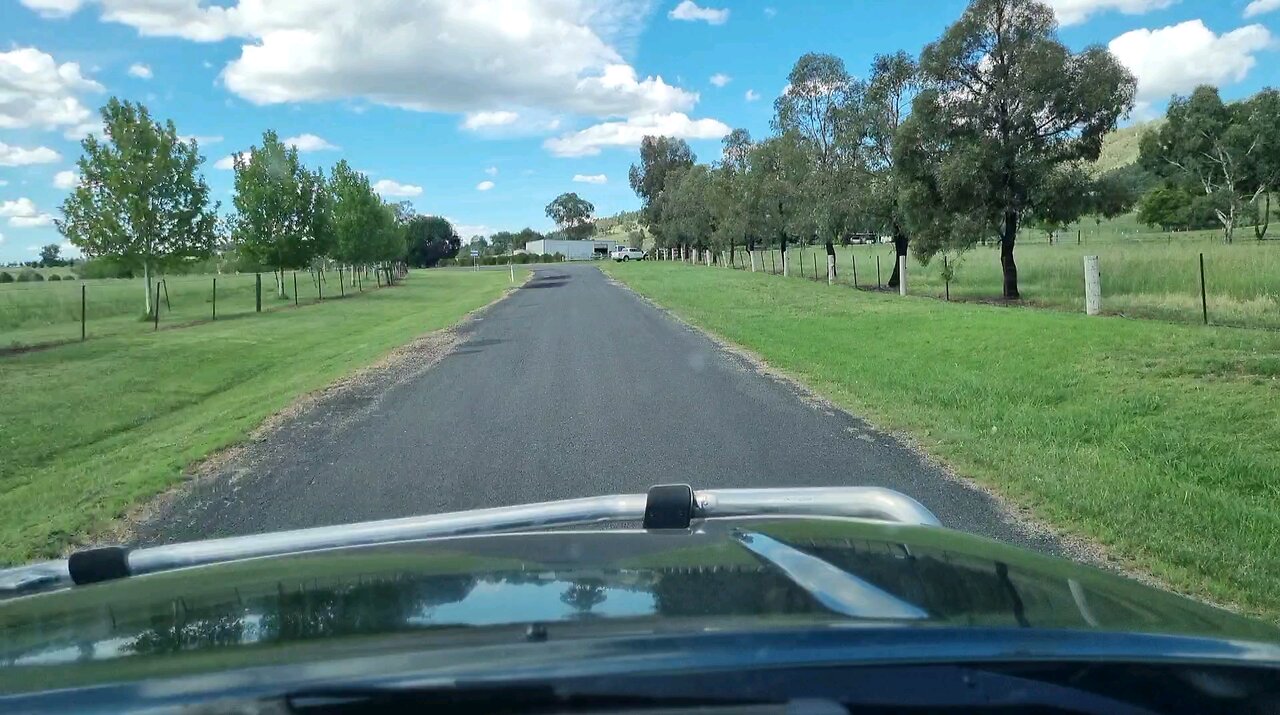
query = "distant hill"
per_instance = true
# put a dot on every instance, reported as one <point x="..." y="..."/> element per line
<point x="1120" y="148"/>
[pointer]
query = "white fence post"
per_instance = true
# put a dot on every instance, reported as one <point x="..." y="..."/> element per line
<point x="902" y="275"/>
<point x="1092" y="286"/>
<point x="753" y="261"/>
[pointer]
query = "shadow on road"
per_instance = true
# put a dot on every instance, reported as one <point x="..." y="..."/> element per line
<point x="551" y="281"/>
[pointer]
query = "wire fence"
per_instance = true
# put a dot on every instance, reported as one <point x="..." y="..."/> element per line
<point x="41" y="314"/>
<point x="1208" y="282"/>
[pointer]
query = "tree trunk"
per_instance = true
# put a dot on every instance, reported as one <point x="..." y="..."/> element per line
<point x="899" y="252"/>
<point x="831" y="263"/>
<point x="1007" y="266"/>
<point x="783" y="252"/>
<point x="146" y="284"/>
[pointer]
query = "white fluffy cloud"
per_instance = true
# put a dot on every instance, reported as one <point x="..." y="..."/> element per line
<point x="752" y="95"/>
<point x="388" y="187"/>
<point x="18" y="156"/>
<point x="440" y="55"/>
<point x="483" y="120"/>
<point x="1074" y="12"/>
<point x="139" y="70"/>
<point x="227" y="163"/>
<point x="53" y="8"/>
<point x="1176" y="58"/>
<point x="1260" y="7"/>
<point x="484" y="185"/>
<point x="36" y="91"/>
<point x="491" y="171"/>
<point x="200" y="139"/>
<point x="65" y="179"/>
<point x="590" y="178"/>
<point x="720" y="79"/>
<point x="690" y="11"/>
<point x="22" y="213"/>
<point x="628" y="133"/>
<point x="309" y="142"/>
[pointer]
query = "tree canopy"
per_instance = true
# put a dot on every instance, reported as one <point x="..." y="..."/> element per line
<point x="141" y="200"/>
<point x="573" y="214"/>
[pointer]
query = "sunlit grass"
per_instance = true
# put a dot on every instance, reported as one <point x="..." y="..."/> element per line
<point x="1159" y="441"/>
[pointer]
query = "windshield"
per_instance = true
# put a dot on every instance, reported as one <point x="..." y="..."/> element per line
<point x="272" y="266"/>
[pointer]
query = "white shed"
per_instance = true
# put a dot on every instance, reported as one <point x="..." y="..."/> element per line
<point x="572" y="250"/>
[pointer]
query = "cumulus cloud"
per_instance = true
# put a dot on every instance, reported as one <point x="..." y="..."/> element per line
<point x="19" y="156"/>
<point x="66" y="179"/>
<point x="36" y="91"/>
<point x="556" y="56"/>
<point x="22" y="213"/>
<point x="139" y="70"/>
<point x="309" y="142"/>
<point x="628" y="133"/>
<point x="752" y="95"/>
<point x="591" y="178"/>
<point x="690" y="11"/>
<point x="1074" y="12"/>
<point x="1177" y="58"/>
<point x="482" y="120"/>
<point x="1260" y="7"/>
<point x="720" y="79"/>
<point x="388" y="187"/>
<point x="484" y="185"/>
<point x="53" y="8"/>
<point x="227" y="163"/>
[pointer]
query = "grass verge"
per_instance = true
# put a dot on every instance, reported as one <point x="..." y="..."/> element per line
<point x="88" y="430"/>
<point x="1159" y="441"/>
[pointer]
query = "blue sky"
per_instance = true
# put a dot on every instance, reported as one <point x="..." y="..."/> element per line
<point x="485" y="110"/>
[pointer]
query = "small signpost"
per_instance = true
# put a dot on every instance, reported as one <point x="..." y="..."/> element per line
<point x="474" y="253"/>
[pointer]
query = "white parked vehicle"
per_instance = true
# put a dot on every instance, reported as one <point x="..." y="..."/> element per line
<point x="622" y="253"/>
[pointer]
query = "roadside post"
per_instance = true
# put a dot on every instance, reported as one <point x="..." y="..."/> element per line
<point x="215" y="299"/>
<point x="156" y="315"/>
<point x="83" y="302"/>
<point x="854" y="259"/>
<point x="1204" y="296"/>
<point x="258" y="292"/>
<point x="342" y="289"/>
<point x="878" y="284"/>
<point x="474" y="254"/>
<point x="295" y="289"/>
<point x="1092" y="286"/>
<point x="511" y="263"/>
<point x="902" y="275"/>
<point x="165" y="282"/>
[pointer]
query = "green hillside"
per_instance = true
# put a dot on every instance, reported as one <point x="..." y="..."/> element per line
<point x="1120" y="148"/>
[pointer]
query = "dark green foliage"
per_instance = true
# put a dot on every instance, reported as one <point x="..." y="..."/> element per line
<point x="26" y="275"/>
<point x="430" y="240"/>
<point x="54" y="277"/>
<point x="574" y="215"/>
<point x="6" y="277"/>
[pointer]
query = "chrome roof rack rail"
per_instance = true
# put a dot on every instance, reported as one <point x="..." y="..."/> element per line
<point x="669" y="506"/>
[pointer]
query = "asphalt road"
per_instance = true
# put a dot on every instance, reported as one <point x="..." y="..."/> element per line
<point x="570" y="387"/>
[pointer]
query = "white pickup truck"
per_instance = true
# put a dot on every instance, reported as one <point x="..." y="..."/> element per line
<point x="622" y="253"/>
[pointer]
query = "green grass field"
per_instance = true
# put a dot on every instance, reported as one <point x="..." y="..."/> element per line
<point x="88" y="430"/>
<point x="39" y="313"/>
<point x="1144" y="274"/>
<point x="1159" y="441"/>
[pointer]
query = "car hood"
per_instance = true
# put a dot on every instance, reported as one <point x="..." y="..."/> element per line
<point x="731" y="573"/>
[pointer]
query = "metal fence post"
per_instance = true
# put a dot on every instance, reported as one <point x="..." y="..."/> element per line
<point x="878" y="284"/>
<point x="83" y="302"/>
<point x="157" y="307"/>
<point x="295" y="289"/>
<point x="342" y="289"/>
<point x="258" y="292"/>
<point x="854" y="260"/>
<point x="1204" y="298"/>
<point x="165" y="282"/>
<point x="215" y="299"/>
